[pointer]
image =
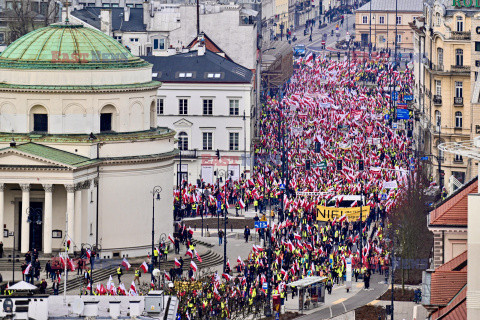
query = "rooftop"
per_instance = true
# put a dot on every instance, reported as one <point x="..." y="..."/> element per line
<point x="389" y="5"/>
<point x="91" y="16"/>
<point x="191" y="68"/>
<point x="453" y="211"/>
<point x="68" y="46"/>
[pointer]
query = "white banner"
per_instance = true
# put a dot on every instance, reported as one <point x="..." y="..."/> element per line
<point x="390" y="184"/>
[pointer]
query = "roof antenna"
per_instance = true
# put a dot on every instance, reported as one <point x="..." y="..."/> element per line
<point x="66" y="6"/>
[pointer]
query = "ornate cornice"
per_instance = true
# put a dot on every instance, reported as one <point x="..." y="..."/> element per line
<point x="2" y="186"/>
<point x="25" y="187"/>
<point x="48" y="187"/>
<point x="70" y="188"/>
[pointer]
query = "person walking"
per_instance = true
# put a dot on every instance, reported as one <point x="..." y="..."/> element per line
<point x="220" y="237"/>
<point x="55" y="287"/>
<point x="366" y="280"/>
<point x="137" y="276"/>
<point x="119" y="274"/>
<point x="246" y="233"/>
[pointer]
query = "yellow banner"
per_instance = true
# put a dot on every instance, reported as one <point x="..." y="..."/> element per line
<point x="330" y="213"/>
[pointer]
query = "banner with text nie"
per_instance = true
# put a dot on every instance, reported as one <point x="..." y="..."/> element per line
<point x="330" y="213"/>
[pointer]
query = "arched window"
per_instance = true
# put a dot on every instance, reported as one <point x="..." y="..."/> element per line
<point x="39" y="119"/>
<point x="459" y="57"/>
<point x="182" y="141"/>
<point x="458" y="120"/>
<point x="106" y="118"/>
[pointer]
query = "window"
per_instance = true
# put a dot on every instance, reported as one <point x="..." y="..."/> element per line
<point x="364" y="19"/>
<point x="440" y="57"/>
<point x="458" y="158"/>
<point x="234" y="109"/>
<point x="118" y="38"/>
<point x="207" y="107"/>
<point x="459" y="57"/>
<point x="183" y="106"/>
<point x="185" y="75"/>
<point x="160" y="102"/>
<point x="105" y="122"/>
<point x="133" y="39"/>
<point x="460" y="176"/>
<point x="207" y="141"/>
<point x="458" y="89"/>
<point x="214" y="75"/>
<point x="381" y="20"/>
<point x="438" y="87"/>
<point x="182" y="141"/>
<point x="2" y="37"/>
<point x="437" y="19"/>
<point x="10" y="5"/>
<point x="458" y="119"/>
<point x="159" y="44"/>
<point x="460" y="24"/>
<point x="40" y="122"/>
<point x="399" y="20"/>
<point x="399" y="38"/>
<point x="477" y="45"/>
<point x="438" y="118"/>
<point x="233" y="141"/>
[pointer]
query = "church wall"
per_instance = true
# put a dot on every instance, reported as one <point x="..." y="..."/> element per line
<point x="125" y="218"/>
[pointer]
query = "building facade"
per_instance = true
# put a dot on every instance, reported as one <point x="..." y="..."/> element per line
<point x="208" y="101"/>
<point x="376" y="22"/>
<point x="446" y="89"/>
<point x="80" y="151"/>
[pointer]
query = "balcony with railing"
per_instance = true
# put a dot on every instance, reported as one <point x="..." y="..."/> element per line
<point x="460" y="35"/>
<point x="461" y="69"/>
<point x="437" y="99"/>
<point x="458" y="101"/>
<point x="187" y="154"/>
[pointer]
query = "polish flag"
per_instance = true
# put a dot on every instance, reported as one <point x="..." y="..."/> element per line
<point x="122" y="289"/>
<point x="126" y="264"/>
<point x="89" y="253"/>
<point x="167" y="276"/>
<point x="71" y="265"/>
<point x="89" y="286"/>
<point x="297" y="236"/>
<point x="228" y="263"/>
<point x="343" y="218"/>
<point x="198" y="256"/>
<point x="133" y="287"/>
<point x="189" y="253"/>
<point x="241" y="203"/>
<point x="109" y="283"/>
<point x="193" y="265"/>
<point x="355" y="239"/>
<point x="144" y="267"/>
<point x="170" y="238"/>
<point x="177" y="263"/>
<point x="27" y="269"/>
<point x="239" y="260"/>
<point x="227" y="276"/>
<point x="354" y="204"/>
<point x="190" y="230"/>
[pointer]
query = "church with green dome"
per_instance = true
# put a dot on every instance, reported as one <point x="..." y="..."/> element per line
<point x="79" y="141"/>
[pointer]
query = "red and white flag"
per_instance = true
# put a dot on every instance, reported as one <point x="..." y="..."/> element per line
<point x="193" y="265"/>
<point x="241" y="203"/>
<point x="189" y="253"/>
<point x="167" y="276"/>
<point x="126" y="264"/>
<point x="144" y="267"/>
<point x="171" y="238"/>
<point x="89" y="253"/>
<point x="133" y="289"/>
<point x="343" y="218"/>
<point x="198" y="256"/>
<point x="227" y="276"/>
<point x="177" y="263"/>
<point x="27" y="269"/>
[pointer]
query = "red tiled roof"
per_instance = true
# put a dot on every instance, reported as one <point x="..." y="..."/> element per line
<point x="445" y="285"/>
<point x="209" y="45"/>
<point x="456" y="264"/>
<point x="454" y="210"/>
<point x="455" y="310"/>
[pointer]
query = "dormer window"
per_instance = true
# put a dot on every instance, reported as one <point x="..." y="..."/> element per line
<point x="214" y="75"/>
<point x="185" y="75"/>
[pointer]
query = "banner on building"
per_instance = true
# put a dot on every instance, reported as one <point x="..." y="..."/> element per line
<point x="330" y="213"/>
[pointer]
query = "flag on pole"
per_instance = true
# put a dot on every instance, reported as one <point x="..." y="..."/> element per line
<point x="193" y="265"/>
<point x="27" y="269"/>
<point x="177" y="263"/>
<point x="241" y="203"/>
<point x="167" y="276"/>
<point x="198" y="256"/>
<point x="144" y="267"/>
<point x="171" y="238"/>
<point x="126" y="264"/>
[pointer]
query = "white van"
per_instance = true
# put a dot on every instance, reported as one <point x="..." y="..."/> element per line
<point x="347" y="201"/>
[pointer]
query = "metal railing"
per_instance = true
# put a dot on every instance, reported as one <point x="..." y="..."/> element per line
<point x="455" y="68"/>
<point x="437" y="99"/>
<point x="458" y="101"/>
<point x="460" y="35"/>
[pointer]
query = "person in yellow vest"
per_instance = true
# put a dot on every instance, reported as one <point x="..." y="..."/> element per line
<point x="137" y="276"/>
<point x="165" y="253"/>
<point x="255" y="204"/>
<point x="155" y="256"/>
<point x="119" y="273"/>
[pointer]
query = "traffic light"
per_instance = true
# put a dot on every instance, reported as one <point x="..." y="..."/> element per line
<point x="317" y="147"/>
<point x="360" y="165"/>
<point x="307" y="164"/>
<point x="339" y="164"/>
<point x="218" y="154"/>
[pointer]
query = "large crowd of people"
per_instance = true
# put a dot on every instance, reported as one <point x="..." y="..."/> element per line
<point x="331" y="112"/>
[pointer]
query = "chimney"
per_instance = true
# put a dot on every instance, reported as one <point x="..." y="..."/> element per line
<point x="201" y="50"/>
<point x="126" y="13"/>
<point x="146" y="13"/>
<point x="106" y="21"/>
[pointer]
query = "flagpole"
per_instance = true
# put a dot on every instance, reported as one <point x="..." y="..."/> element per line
<point x="65" y="261"/>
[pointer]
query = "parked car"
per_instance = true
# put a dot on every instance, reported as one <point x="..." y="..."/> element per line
<point x="299" y="50"/>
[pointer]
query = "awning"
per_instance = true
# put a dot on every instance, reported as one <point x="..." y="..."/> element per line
<point x="249" y="12"/>
<point x="22" y="285"/>
<point x="305" y="282"/>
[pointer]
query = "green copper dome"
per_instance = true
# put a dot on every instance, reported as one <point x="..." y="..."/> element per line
<point x="67" y="46"/>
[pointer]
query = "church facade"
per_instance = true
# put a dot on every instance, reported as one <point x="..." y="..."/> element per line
<point x="80" y="150"/>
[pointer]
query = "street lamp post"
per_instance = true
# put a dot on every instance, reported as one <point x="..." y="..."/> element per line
<point x="155" y="195"/>
<point x="34" y="217"/>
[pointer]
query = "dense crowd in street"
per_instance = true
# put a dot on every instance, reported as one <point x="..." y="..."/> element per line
<point x="328" y="111"/>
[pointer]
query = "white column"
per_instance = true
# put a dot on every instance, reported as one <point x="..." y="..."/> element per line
<point x="24" y="217"/>
<point x="78" y="216"/>
<point x="2" y="209"/>
<point x="48" y="218"/>
<point x="71" y="213"/>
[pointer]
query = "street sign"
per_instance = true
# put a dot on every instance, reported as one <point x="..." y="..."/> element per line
<point x="260" y="224"/>
<point x="424" y="158"/>
<point x="408" y="98"/>
<point x="412" y="167"/>
<point x="395" y="96"/>
<point x="394" y="125"/>
<point x="282" y="186"/>
<point x="403" y="114"/>
<point x="401" y="105"/>
<point x="265" y="286"/>
<point x="321" y="165"/>
<point x="383" y="196"/>
<point x="387" y="116"/>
